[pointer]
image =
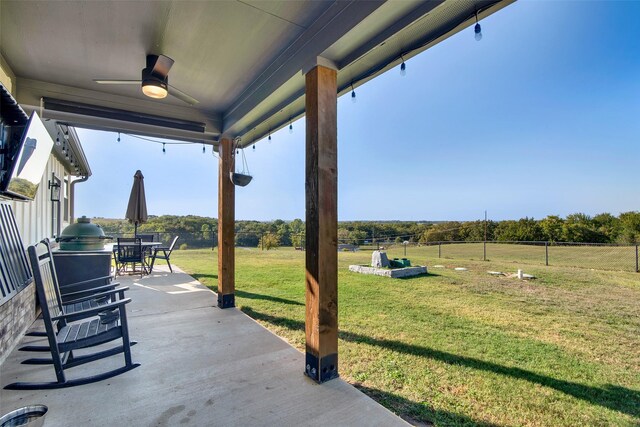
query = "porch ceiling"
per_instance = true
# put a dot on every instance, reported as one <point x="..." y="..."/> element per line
<point x="242" y="60"/>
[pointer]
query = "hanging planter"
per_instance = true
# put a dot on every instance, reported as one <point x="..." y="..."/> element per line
<point x="242" y="178"/>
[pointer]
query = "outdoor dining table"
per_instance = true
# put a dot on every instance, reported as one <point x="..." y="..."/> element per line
<point x="146" y="247"/>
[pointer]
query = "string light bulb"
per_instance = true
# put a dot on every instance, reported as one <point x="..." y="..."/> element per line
<point x="353" y="94"/>
<point x="290" y="126"/>
<point x="58" y="139"/>
<point x="66" y="134"/>
<point x="118" y="136"/>
<point x="203" y="149"/>
<point x="269" y="136"/>
<point x="164" y="150"/>
<point x="478" y="29"/>
<point x="403" y="67"/>
<point x="254" y="147"/>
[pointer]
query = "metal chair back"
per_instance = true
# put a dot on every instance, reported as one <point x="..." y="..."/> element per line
<point x="129" y="250"/>
<point x="172" y="245"/>
<point x="46" y="280"/>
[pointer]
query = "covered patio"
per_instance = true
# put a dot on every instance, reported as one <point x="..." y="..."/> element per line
<point x="242" y="71"/>
<point x="255" y="380"/>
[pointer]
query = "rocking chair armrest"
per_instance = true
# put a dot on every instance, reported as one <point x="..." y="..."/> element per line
<point x="95" y="279"/>
<point x="97" y="295"/>
<point x="83" y="314"/>
<point x="87" y="293"/>
<point x="97" y="289"/>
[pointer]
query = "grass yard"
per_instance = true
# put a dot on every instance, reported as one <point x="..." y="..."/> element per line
<point x="464" y="348"/>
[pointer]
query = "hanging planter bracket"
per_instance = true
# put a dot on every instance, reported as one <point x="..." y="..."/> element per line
<point x="242" y="178"/>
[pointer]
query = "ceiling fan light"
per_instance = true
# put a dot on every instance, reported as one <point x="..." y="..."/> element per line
<point x="153" y="91"/>
<point x="154" y="88"/>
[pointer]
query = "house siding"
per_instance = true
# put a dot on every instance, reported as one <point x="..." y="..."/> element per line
<point x="35" y="218"/>
<point x="34" y="221"/>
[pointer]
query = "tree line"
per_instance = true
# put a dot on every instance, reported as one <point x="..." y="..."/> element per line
<point x="197" y="231"/>
<point x="579" y="227"/>
<point x="193" y="231"/>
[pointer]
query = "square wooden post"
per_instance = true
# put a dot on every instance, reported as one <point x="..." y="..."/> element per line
<point x="226" y="226"/>
<point x="321" y="324"/>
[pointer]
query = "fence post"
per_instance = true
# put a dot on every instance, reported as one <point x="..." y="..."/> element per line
<point x="484" y="250"/>
<point x="439" y="249"/>
<point x="262" y="240"/>
<point x="637" y="269"/>
<point x="546" y="253"/>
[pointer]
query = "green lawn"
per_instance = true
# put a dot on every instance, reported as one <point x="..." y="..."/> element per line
<point x="464" y="348"/>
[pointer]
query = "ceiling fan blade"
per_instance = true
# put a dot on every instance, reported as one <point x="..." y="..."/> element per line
<point x="159" y="64"/>
<point x="182" y="96"/>
<point x="118" y="82"/>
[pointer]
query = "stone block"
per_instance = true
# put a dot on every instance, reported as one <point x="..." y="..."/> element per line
<point x="379" y="259"/>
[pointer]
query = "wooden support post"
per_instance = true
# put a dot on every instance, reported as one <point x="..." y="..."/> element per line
<point x="321" y="325"/>
<point x="226" y="226"/>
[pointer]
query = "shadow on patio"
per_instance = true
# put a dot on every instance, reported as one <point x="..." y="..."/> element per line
<point x="200" y="366"/>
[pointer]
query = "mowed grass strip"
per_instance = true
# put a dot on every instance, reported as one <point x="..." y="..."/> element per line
<point x="464" y="347"/>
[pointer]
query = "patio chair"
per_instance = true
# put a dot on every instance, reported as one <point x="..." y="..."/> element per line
<point x="129" y="251"/>
<point x="166" y="254"/>
<point x="67" y="332"/>
<point x="148" y="252"/>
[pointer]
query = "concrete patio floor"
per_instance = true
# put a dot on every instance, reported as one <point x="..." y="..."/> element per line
<point x="200" y="366"/>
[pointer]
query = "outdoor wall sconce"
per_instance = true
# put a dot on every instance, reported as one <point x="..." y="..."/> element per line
<point x="54" y="186"/>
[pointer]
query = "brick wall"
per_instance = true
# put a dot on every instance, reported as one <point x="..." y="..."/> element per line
<point x="16" y="315"/>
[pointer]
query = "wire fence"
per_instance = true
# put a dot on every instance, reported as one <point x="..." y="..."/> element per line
<point x="186" y="240"/>
<point x="598" y="256"/>
<point x="209" y="239"/>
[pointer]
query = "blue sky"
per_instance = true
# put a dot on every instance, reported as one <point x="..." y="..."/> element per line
<point x="541" y="117"/>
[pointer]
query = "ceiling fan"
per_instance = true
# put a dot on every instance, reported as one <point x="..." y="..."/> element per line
<point x="155" y="80"/>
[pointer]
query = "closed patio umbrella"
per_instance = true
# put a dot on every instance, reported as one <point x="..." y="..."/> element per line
<point x="137" y="207"/>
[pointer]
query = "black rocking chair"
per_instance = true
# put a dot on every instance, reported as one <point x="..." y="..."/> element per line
<point x="67" y="332"/>
<point x="84" y="300"/>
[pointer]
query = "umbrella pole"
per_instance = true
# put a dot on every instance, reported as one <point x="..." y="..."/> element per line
<point x="135" y="229"/>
